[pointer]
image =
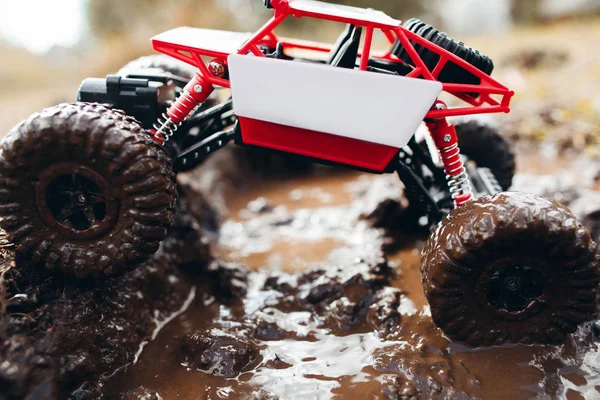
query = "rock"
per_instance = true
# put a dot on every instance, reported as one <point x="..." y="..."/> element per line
<point x="217" y="352"/>
<point x="384" y="314"/>
<point x="277" y="363"/>
<point x="231" y="279"/>
<point x="268" y="330"/>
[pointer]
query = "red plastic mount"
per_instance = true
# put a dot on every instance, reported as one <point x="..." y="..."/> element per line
<point x="194" y="93"/>
<point x="442" y="132"/>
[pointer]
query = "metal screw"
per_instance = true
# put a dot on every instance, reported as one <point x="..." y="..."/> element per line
<point x="447" y="138"/>
<point x="198" y="89"/>
<point x="81" y="198"/>
<point x="440" y="106"/>
<point x="216" y="68"/>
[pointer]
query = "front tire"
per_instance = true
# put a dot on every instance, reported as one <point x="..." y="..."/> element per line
<point x="84" y="190"/>
<point x="512" y="267"/>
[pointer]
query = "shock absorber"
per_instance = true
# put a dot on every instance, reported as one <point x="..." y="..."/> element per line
<point x="446" y="141"/>
<point x="193" y="95"/>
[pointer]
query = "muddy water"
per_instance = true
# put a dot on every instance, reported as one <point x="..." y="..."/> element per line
<point x="292" y="226"/>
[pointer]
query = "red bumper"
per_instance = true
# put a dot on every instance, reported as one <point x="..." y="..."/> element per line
<point x="338" y="149"/>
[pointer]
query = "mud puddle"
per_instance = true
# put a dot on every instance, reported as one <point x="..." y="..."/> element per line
<point x="324" y="313"/>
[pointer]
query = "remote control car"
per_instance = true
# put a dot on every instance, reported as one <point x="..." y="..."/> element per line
<point x="89" y="188"/>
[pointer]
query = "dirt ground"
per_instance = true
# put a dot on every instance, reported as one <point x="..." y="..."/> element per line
<point x="276" y="282"/>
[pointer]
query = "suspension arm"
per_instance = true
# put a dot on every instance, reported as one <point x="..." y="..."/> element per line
<point x="425" y="158"/>
<point x="212" y="112"/>
<point x="205" y="123"/>
<point x="416" y="192"/>
<point x="197" y="153"/>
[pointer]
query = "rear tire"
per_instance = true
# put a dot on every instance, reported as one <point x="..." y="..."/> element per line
<point x="485" y="146"/>
<point x="512" y="267"/>
<point x="84" y="190"/>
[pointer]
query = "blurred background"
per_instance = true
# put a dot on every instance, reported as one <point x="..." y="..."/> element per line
<point x="545" y="50"/>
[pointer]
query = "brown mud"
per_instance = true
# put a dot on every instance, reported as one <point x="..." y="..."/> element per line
<point x="62" y="336"/>
<point x="302" y="284"/>
<point x="326" y="312"/>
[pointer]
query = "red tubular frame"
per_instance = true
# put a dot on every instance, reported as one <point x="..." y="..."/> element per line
<point x="482" y="103"/>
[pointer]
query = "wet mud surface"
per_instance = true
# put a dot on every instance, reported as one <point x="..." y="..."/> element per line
<point x="324" y="305"/>
<point x="304" y="284"/>
<point x="65" y="337"/>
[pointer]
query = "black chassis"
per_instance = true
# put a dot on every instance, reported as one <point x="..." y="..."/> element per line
<point x="211" y="128"/>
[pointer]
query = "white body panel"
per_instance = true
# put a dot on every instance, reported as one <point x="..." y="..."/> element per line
<point x="205" y="39"/>
<point x="343" y="11"/>
<point x="378" y="108"/>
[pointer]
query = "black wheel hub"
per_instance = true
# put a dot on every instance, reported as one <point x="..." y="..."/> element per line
<point x="512" y="289"/>
<point x="76" y="200"/>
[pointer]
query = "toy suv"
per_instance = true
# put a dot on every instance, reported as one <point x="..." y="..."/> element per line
<point x="89" y="188"/>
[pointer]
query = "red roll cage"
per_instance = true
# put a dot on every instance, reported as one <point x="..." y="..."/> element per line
<point x="481" y="103"/>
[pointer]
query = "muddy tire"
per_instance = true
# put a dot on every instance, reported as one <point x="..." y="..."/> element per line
<point x="512" y="267"/>
<point x="162" y="62"/>
<point x="84" y="190"/>
<point x="485" y="146"/>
